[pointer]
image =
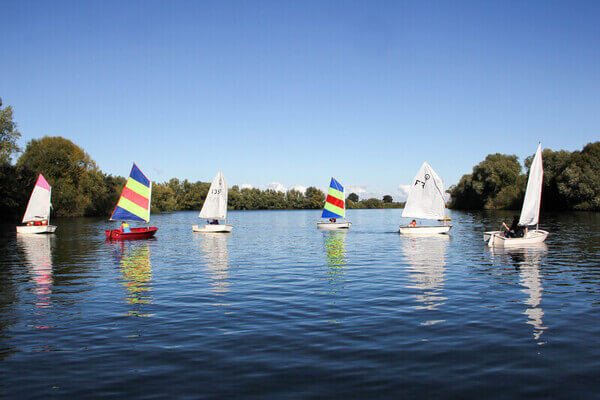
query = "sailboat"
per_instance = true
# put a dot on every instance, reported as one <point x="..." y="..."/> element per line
<point x="133" y="205"/>
<point x="335" y="207"/>
<point x="215" y="208"/>
<point x="37" y="214"/>
<point x="530" y="213"/>
<point x="426" y="201"/>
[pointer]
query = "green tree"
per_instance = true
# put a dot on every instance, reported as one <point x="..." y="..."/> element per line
<point x="314" y="198"/>
<point x="353" y="197"/>
<point x="479" y="189"/>
<point x="388" y="199"/>
<point x="163" y="198"/>
<point x="294" y="199"/>
<point x="372" y="203"/>
<point x="579" y="183"/>
<point x="77" y="182"/>
<point x="8" y="135"/>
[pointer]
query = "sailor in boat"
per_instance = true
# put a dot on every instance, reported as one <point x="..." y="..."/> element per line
<point x="413" y="224"/>
<point x="125" y="227"/>
<point x="515" y="229"/>
<point x="332" y="220"/>
<point x="215" y="222"/>
<point x="38" y="223"/>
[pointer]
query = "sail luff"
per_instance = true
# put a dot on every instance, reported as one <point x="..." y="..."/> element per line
<point x="149" y="202"/>
<point x="530" y="213"/>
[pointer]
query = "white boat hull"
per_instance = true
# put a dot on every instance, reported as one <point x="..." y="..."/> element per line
<point x="334" y="225"/>
<point x="212" y="228"/>
<point x="424" y="230"/>
<point x="496" y="238"/>
<point x="36" y="229"/>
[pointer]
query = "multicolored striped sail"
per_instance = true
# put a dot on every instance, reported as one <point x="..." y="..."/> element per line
<point x="334" y="204"/>
<point x="134" y="204"/>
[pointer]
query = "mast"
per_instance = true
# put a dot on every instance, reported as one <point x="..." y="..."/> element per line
<point x="50" y="208"/>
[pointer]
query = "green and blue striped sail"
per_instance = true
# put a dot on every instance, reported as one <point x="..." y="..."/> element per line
<point x="334" y="204"/>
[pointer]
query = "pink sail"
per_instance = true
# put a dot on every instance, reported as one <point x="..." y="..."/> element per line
<point x="38" y="208"/>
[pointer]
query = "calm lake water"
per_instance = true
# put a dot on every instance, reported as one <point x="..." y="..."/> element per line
<point x="278" y="309"/>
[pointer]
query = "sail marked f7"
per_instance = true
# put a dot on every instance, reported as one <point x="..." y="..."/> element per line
<point x="426" y="196"/>
<point x="334" y="204"/>
<point x="134" y="204"/>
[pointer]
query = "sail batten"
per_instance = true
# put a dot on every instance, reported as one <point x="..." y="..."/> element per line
<point x="335" y="202"/>
<point x="530" y="213"/>
<point x="134" y="203"/>
<point x="38" y="208"/>
<point x="426" y="196"/>
<point x="215" y="204"/>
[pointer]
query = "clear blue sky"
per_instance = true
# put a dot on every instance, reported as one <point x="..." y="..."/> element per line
<point x="297" y="92"/>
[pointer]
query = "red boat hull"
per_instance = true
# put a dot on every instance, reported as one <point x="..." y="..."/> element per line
<point x="136" y="233"/>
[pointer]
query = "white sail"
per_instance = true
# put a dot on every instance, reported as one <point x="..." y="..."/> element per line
<point x="215" y="205"/>
<point x="38" y="208"/>
<point x="426" y="196"/>
<point x="530" y="214"/>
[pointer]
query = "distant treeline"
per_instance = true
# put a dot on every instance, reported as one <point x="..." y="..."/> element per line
<point x="177" y="195"/>
<point x="80" y="188"/>
<point x="571" y="182"/>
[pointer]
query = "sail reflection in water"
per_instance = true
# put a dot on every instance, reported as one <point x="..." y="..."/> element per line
<point x="38" y="256"/>
<point x="527" y="261"/>
<point x="214" y="247"/>
<point x="336" y="253"/>
<point x="426" y="260"/>
<point x="136" y="274"/>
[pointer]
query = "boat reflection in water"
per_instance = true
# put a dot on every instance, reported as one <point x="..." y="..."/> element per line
<point x="214" y="247"/>
<point x="527" y="262"/>
<point x="426" y="261"/>
<point x="38" y="256"/>
<point x="136" y="274"/>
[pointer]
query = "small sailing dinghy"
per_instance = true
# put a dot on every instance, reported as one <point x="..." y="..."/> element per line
<point x="426" y="201"/>
<point x="335" y="207"/>
<point x="215" y="208"/>
<point x="37" y="215"/>
<point x="530" y="213"/>
<point x="133" y="205"/>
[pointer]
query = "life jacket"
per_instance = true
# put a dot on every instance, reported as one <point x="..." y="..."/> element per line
<point x="413" y="224"/>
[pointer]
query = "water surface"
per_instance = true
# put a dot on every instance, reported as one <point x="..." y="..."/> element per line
<point x="278" y="309"/>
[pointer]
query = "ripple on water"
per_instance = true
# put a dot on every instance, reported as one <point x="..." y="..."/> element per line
<point x="280" y="309"/>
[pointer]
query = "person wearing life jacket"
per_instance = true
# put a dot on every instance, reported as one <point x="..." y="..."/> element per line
<point x="413" y="224"/>
<point x="125" y="227"/>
